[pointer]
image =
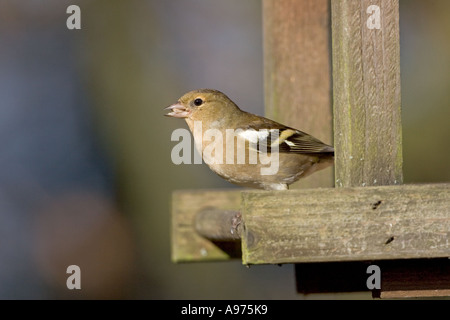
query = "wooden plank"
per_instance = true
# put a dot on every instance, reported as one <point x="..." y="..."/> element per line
<point x="414" y="278"/>
<point x="404" y="294"/>
<point x="367" y="93"/>
<point x="366" y="90"/>
<point x="346" y="224"/>
<point x="399" y="278"/>
<point x="187" y="244"/>
<point x="297" y="71"/>
<point x="219" y="225"/>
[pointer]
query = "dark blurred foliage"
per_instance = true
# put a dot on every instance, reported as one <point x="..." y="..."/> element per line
<point x="85" y="170"/>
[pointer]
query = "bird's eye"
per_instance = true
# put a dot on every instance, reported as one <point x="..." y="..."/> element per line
<point x="198" y="102"/>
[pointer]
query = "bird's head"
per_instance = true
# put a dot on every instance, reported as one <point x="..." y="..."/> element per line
<point x="201" y="104"/>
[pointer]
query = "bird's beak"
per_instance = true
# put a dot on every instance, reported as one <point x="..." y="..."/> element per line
<point x="178" y="111"/>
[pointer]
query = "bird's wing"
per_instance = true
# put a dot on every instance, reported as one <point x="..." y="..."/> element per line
<point x="269" y="134"/>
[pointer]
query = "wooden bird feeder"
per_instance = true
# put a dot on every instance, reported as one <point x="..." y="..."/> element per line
<point x="364" y="215"/>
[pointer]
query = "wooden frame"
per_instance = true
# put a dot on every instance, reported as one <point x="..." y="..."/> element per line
<point x="370" y="215"/>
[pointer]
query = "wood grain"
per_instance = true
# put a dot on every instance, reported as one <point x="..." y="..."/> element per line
<point x="346" y="224"/>
<point x="297" y="71"/>
<point x="187" y="244"/>
<point x="415" y="278"/>
<point x="366" y="89"/>
<point x="218" y="225"/>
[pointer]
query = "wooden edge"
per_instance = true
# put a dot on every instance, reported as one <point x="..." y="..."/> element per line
<point x="398" y="279"/>
<point x="187" y="244"/>
<point x="415" y="294"/>
<point x="414" y="279"/>
<point x="346" y="224"/>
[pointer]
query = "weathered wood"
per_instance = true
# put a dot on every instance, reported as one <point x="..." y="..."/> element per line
<point x="218" y="225"/>
<point x="367" y="108"/>
<point x="297" y="71"/>
<point x="366" y="89"/>
<point x="403" y="294"/>
<point x="187" y="244"/>
<point x="405" y="278"/>
<point x="346" y="224"/>
<point x="414" y="278"/>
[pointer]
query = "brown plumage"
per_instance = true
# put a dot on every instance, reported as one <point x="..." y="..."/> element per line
<point x="293" y="154"/>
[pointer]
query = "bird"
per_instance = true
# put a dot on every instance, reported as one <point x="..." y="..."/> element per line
<point x="236" y="144"/>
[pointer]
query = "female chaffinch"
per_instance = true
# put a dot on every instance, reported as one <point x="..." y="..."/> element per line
<point x="246" y="149"/>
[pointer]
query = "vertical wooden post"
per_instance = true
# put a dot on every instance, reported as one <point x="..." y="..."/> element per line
<point x="367" y="120"/>
<point x="366" y="88"/>
<point x="297" y="79"/>
<point x="297" y="75"/>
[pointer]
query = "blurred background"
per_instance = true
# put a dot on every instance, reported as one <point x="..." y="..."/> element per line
<point x="85" y="170"/>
